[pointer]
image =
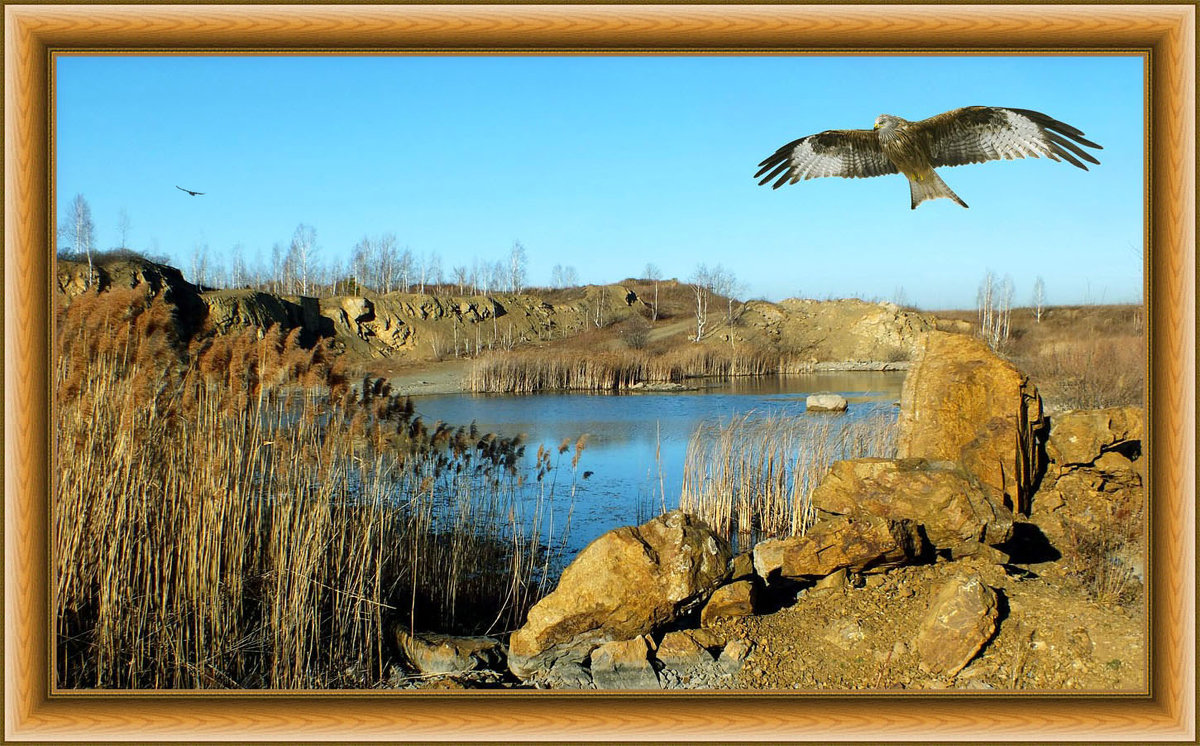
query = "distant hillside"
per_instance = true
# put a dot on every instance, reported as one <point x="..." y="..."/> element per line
<point x="412" y="327"/>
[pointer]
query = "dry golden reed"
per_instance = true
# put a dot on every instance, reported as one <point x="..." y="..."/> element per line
<point x="523" y="372"/>
<point x="231" y="512"/>
<point x="752" y="476"/>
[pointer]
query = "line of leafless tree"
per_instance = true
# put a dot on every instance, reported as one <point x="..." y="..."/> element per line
<point x="378" y="263"/>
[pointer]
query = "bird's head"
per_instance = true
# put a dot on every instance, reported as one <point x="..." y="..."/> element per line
<point x="887" y="122"/>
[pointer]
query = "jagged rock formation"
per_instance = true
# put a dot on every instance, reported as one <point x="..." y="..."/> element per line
<point x="963" y="403"/>
<point x="371" y="325"/>
<point x="631" y="581"/>
<point x="843" y="331"/>
<point x="862" y="543"/>
<point x="415" y="326"/>
<point x="953" y="507"/>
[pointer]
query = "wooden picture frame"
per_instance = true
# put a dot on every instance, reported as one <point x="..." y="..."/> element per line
<point x="1164" y="33"/>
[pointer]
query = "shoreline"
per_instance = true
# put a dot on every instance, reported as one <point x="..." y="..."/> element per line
<point x="454" y="377"/>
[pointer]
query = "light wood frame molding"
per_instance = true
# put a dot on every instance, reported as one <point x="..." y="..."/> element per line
<point x="1165" y="33"/>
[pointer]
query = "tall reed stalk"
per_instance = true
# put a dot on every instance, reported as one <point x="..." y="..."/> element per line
<point x="233" y="513"/>
<point x="753" y="475"/>
<point x="523" y="372"/>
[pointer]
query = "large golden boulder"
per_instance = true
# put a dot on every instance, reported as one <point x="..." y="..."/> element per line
<point x="956" y="509"/>
<point x="859" y="543"/>
<point x="961" y="402"/>
<point x="1082" y="437"/>
<point x="631" y="581"/>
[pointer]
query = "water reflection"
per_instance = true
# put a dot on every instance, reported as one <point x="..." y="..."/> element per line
<point x="637" y="442"/>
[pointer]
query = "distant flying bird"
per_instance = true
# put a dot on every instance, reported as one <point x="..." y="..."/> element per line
<point x="189" y="191"/>
<point x="973" y="134"/>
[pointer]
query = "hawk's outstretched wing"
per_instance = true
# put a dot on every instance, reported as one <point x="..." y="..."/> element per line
<point x="850" y="153"/>
<point x="975" y="134"/>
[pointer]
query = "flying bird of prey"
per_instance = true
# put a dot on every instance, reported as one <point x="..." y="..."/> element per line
<point x="972" y="134"/>
<point x="189" y="191"/>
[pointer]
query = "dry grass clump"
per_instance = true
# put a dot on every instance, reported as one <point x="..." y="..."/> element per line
<point x="1101" y="564"/>
<point x="753" y="475"/>
<point x="231" y="512"/>
<point x="1101" y="552"/>
<point x="1089" y="373"/>
<point x="522" y="372"/>
<point x="1079" y="357"/>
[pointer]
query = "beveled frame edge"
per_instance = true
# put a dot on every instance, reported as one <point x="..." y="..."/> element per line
<point x="1167" y="32"/>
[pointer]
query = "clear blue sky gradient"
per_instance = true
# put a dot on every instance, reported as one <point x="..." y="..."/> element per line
<point x="605" y="164"/>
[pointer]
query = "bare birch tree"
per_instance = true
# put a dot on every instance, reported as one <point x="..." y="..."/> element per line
<point x="702" y="290"/>
<point x="238" y="273"/>
<point x="278" y="268"/>
<point x="360" y="264"/>
<point x="994" y="301"/>
<point x="199" y="269"/>
<point x="124" y="225"/>
<point x="1039" y="298"/>
<point x="303" y="253"/>
<point x="654" y="274"/>
<point x="517" y="265"/>
<point x="723" y="282"/>
<point x="78" y="229"/>
<point x="460" y="273"/>
<point x="563" y="277"/>
<point x="404" y="266"/>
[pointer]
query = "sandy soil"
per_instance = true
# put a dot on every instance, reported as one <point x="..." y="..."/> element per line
<point x="449" y="377"/>
<point x="1050" y="637"/>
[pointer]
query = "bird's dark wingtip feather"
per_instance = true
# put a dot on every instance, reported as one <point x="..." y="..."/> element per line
<point x="779" y="159"/>
<point x="777" y="169"/>
<point x="1048" y="122"/>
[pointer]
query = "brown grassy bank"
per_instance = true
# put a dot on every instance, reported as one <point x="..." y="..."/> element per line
<point x="1079" y="357"/>
<point x="233" y="513"/>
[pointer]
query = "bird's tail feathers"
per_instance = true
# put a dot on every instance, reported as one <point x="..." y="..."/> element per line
<point x="930" y="186"/>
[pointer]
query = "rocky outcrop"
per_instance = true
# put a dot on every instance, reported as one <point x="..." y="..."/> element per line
<point x="680" y="649"/>
<point x="122" y="272"/>
<point x="859" y="543"/>
<point x="736" y="599"/>
<point x="368" y="324"/>
<point x="623" y="664"/>
<point x="841" y="330"/>
<point x="953" y="507"/>
<point x="825" y="403"/>
<point x="1079" y="438"/>
<point x="234" y="309"/>
<point x="961" y="619"/>
<point x="631" y="581"/>
<point x="432" y="653"/>
<point x="1091" y="499"/>
<point x="733" y="655"/>
<point x="130" y="272"/>
<point x="961" y="402"/>
<point x="741" y="567"/>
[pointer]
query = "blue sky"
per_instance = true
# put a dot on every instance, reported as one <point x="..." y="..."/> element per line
<point x="605" y="164"/>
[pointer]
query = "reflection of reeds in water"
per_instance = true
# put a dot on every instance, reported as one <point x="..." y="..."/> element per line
<point x="232" y="513"/>
<point x="752" y="475"/>
<point x="537" y="370"/>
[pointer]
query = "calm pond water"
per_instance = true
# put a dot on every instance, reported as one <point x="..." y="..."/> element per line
<point x="631" y="437"/>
